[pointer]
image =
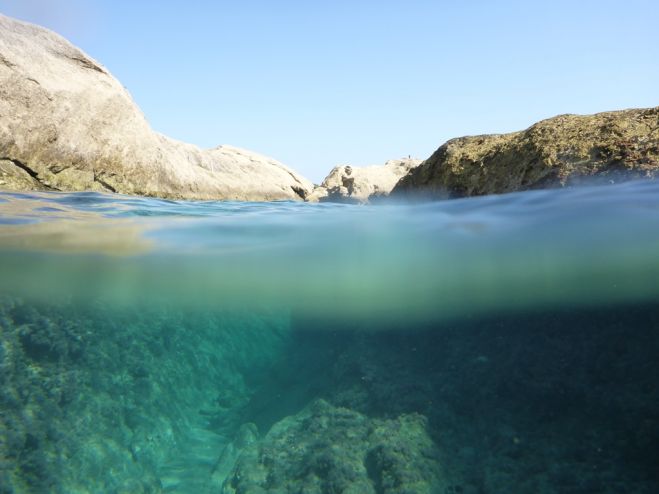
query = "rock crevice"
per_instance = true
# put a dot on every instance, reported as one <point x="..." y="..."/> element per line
<point x="32" y="173"/>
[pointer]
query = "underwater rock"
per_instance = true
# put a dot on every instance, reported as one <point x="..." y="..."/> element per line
<point x="101" y="398"/>
<point x="67" y="124"/>
<point x="560" y="151"/>
<point x="331" y="449"/>
<point x="246" y="436"/>
<point x="359" y="184"/>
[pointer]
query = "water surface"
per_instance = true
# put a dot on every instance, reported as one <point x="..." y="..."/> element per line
<point x="485" y="345"/>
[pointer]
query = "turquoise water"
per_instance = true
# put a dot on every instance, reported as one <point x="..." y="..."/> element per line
<point x="485" y="345"/>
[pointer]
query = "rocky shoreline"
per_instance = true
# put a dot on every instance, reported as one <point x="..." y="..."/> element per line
<point x="352" y="184"/>
<point x="67" y="125"/>
<point x="560" y="151"/>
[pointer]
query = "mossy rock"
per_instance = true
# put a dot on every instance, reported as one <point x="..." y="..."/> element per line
<point x="560" y="151"/>
<point x="328" y="449"/>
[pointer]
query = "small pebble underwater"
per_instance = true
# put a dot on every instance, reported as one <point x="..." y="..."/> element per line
<point x="475" y="346"/>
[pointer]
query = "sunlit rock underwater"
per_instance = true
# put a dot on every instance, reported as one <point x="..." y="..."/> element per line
<point x="495" y="344"/>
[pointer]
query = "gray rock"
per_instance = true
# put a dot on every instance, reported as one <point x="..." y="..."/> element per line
<point x="67" y="124"/>
<point x="360" y="184"/>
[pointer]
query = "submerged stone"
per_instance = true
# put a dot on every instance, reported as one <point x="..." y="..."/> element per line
<point x="332" y="449"/>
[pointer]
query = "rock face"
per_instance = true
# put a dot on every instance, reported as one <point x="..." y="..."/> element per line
<point x="67" y="124"/>
<point x="358" y="184"/>
<point x="564" y="150"/>
<point x="332" y="449"/>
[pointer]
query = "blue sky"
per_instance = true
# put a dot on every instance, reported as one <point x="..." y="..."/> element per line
<point x="316" y="84"/>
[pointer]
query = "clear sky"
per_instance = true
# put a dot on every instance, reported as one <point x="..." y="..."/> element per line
<point x="315" y="84"/>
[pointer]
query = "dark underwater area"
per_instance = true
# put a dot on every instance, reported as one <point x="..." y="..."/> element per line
<point x="356" y="376"/>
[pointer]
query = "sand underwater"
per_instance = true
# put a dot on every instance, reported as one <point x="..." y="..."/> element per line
<point x="503" y="344"/>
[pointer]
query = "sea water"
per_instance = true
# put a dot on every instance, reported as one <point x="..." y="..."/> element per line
<point x="497" y="344"/>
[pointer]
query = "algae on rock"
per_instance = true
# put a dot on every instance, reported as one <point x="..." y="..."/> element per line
<point x="331" y="449"/>
<point x="560" y="151"/>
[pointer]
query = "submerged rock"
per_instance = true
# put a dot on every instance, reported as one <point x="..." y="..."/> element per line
<point x="359" y="184"/>
<point x="564" y="150"/>
<point x="67" y="124"/>
<point x="332" y="449"/>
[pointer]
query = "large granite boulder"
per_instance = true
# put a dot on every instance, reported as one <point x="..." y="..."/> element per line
<point x="359" y="184"/>
<point x="67" y="124"/>
<point x="564" y="150"/>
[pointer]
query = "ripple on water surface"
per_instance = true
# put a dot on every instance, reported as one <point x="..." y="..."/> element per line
<point x="585" y="245"/>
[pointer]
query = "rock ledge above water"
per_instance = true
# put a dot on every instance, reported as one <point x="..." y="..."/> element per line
<point x="560" y="151"/>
